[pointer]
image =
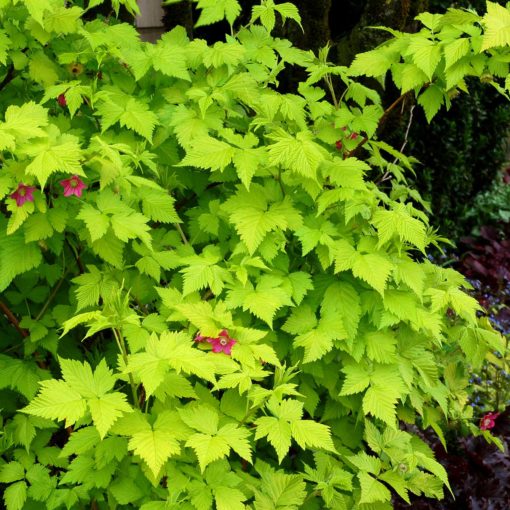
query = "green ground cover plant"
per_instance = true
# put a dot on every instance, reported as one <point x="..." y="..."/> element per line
<point x="217" y="295"/>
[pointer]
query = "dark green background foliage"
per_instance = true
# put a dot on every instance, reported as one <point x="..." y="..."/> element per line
<point x="461" y="151"/>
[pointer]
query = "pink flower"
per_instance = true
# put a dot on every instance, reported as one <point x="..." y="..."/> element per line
<point x="73" y="186"/>
<point x="488" y="421"/>
<point x="223" y="343"/>
<point x="23" y="194"/>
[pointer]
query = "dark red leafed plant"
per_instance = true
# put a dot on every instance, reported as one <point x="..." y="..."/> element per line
<point x="487" y="257"/>
<point x="479" y="472"/>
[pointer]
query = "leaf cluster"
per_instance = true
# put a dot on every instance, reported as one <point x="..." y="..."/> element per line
<point x="217" y="207"/>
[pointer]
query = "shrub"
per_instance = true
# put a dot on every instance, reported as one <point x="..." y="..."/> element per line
<point x="210" y="301"/>
<point x="449" y="178"/>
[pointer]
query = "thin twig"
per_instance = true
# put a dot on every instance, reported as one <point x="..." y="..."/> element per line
<point x="408" y="128"/>
<point x="51" y="296"/>
<point x="387" y="174"/>
<point x="12" y="319"/>
<point x="382" y="120"/>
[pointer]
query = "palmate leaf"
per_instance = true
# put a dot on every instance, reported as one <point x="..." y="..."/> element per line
<point x="497" y="26"/>
<point x="253" y="218"/>
<point x="201" y="417"/>
<point x="373" y="63"/>
<point x="228" y="498"/>
<point x="105" y="410"/>
<point x="399" y="222"/>
<point x="263" y="301"/>
<point x="300" y="155"/>
<point x="132" y="225"/>
<point x="411" y="274"/>
<point x="65" y="156"/>
<point x="213" y="11"/>
<point x="57" y="400"/>
<point x="372" y="268"/>
<point x="280" y="491"/>
<point x="139" y="118"/>
<point x="16" y="257"/>
<point x="204" y="271"/>
<point x="319" y="341"/>
<point x="208" y="448"/>
<point x="426" y="54"/>
<point x="302" y="319"/>
<point x="208" y="153"/>
<point x="22" y="123"/>
<point x="128" y="112"/>
<point x="287" y="423"/>
<point x="63" y="20"/>
<point x="159" y="206"/>
<point x="237" y="438"/>
<point x="155" y="443"/>
<point x="169" y="54"/>
<point x="342" y="299"/>
<point x="170" y="351"/>
<point x="356" y="380"/>
<point x="372" y="491"/>
<point x="96" y="221"/>
<point x="82" y="389"/>
<point x="20" y="375"/>
<point x="154" y="446"/>
<point x="211" y="443"/>
<point x="278" y="433"/>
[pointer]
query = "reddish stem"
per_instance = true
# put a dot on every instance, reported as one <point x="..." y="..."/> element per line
<point x="12" y="319"/>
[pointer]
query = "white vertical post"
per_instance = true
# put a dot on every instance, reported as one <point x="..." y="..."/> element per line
<point x="149" y="21"/>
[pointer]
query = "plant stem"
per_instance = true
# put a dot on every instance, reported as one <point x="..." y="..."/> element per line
<point x="329" y="83"/>
<point x="181" y="232"/>
<point x="51" y="297"/>
<point x="12" y="319"/>
<point x="8" y="77"/>
<point x="76" y="256"/>
<point x="122" y="348"/>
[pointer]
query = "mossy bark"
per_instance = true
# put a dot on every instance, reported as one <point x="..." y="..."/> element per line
<point x="396" y="14"/>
